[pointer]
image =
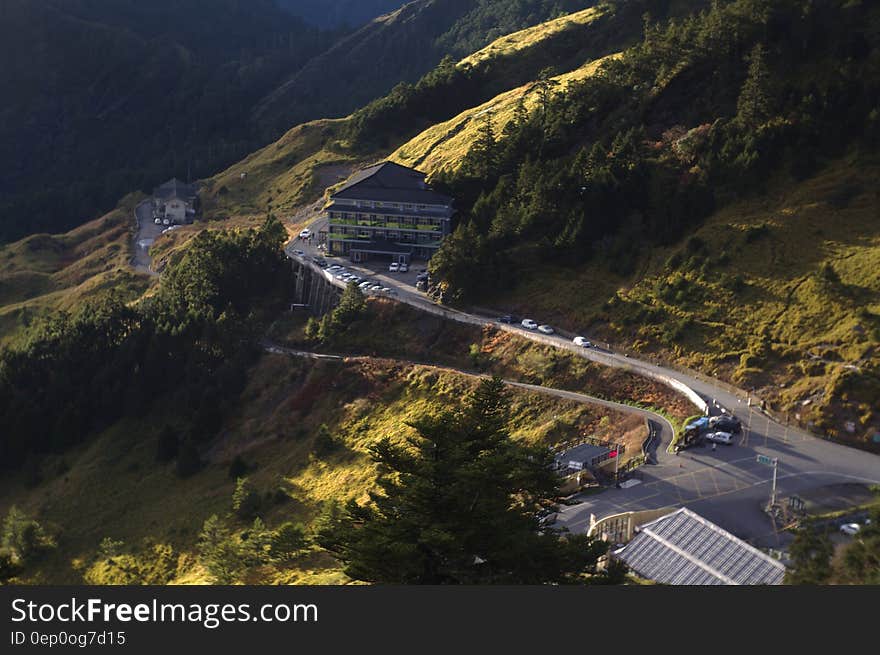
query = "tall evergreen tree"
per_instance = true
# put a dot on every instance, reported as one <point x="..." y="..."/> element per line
<point x="457" y="505"/>
<point x="754" y="105"/>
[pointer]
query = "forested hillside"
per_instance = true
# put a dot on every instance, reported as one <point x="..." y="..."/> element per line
<point x="749" y="100"/>
<point x="400" y="47"/>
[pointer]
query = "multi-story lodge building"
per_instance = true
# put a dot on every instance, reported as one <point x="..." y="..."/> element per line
<point x="387" y="210"/>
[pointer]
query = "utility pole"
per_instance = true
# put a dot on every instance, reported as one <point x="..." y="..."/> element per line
<point x="774" y="462"/>
<point x="773" y="489"/>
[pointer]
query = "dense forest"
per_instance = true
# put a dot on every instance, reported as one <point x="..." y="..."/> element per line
<point x="703" y="110"/>
<point x="188" y="345"/>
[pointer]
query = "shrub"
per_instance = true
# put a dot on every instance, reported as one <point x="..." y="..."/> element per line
<point x="245" y="501"/>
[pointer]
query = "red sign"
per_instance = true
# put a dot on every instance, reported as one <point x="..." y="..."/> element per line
<point x="612" y="454"/>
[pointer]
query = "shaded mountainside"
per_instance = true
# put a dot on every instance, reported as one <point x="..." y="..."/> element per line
<point x="399" y="47"/>
<point x="102" y="97"/>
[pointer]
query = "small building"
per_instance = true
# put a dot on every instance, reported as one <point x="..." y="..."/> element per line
<point x="387" y="211"/>
<point x="176" y="201"/>
<point x="683" y="548"/>
<point x="586" y="456"/>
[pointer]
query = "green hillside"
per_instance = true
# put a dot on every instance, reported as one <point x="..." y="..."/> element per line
<point x="46" y="273"/>
<point x="115" y="488"/>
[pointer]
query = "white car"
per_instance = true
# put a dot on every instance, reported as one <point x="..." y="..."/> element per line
<point x="529" y="324"/>
<point x="545" y="329"/>
<point x="305" y="234"/>
<point x="394" y="267"/>
<point x="720" y="437"/>
<point x="403" y="268"/>
<point x="851" y="529"/>
<point x="158" y="221"/>
<point x="365" y="285"/>
<point x="580" y="341"/>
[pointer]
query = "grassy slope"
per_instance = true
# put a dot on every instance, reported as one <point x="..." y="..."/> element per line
<point x="45" y="272"/>
<point x="531" y="36"/>
<point x="749" y="296"/>
<point x="113" y="487"/>
<point x="444" y="146"/>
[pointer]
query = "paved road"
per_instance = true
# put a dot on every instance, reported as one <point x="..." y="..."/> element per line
<point x="145" y="236"/>
<point x="726" y="485"/>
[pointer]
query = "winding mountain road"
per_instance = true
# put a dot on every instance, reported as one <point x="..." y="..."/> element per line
<point x="726" y="485"/>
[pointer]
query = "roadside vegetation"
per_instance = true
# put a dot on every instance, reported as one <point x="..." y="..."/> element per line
<point x="818" y="560"/>
<point x="382" y="328"/>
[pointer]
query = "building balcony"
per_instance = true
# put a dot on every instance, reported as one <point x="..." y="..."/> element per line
<point x="381" y="225"/>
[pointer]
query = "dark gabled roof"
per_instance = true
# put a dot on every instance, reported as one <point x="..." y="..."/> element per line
<point x="584" y="452"/>
<point x="174" y="188"/>
<point x="683" y="548"/>
<point x="390" y="182"/>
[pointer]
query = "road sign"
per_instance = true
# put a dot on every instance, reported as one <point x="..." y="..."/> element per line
<point x="766" y="461"/>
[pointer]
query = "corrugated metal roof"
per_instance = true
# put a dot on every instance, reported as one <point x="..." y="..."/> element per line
<point x="683" y="548"/>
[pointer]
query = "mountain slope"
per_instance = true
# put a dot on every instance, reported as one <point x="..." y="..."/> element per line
<point x="102" y="97"/>
<point x="339" y="13"/>
<point x="399" y="47"/>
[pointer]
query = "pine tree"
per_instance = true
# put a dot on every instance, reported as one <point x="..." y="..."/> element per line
<point x="810" y="554"/>
<point x="457" y="505"/>
<point x="482" y="158"/>
<point x="754" y="105"/>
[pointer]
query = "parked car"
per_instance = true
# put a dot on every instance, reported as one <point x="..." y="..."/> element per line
<point x="300" y="253"/>
<point x="550" y="519"/>
<point x="720" y="437"/>
<point x="366" y="284"/>
<point x="422" y="276"/>
<point x="529" y="324"/>
<point x="393" y="267"/>
<point x="403" y="268"/>
<point x="580" y="341"/>
<point x="726" y="423"/>
<point x="166" y="222"/>
<point x="509" y="319"/>
<point x="851" y="529"/>
<point x="305" y="234"/>
<point x="545" y="329"/>
<point x="376" y="287"/>
<point x="158" y="221"/>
